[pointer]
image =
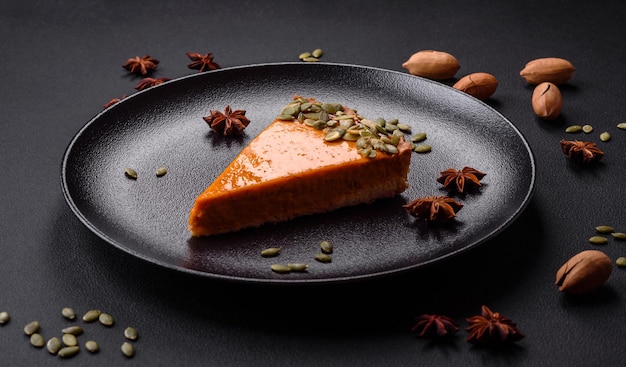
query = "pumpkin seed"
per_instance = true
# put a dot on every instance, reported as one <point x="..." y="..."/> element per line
<point x="573" y="129"/>
<point x="4" y="317"/>
<point x="68" y="351"/>
<point x="350" y="137"/>
<point x="391" y="149"/>
<point x="128" y="349"/>
<point x="269" y="252"/>
<point x="311" y="59"/>
<point x="130" y="173"/>
<point x="31" y="328"/>
<point x="69" y="340"/>
<point x="106" y="319"/>
<point x="280" y="268"/>
<point x="620" y="261"/>
<point x="587" y="129"/>
<point x="418" y="137"/>
<point x="326" y="247"/>
<point x="91" y="315"/>
<point x="92" y="346"/>
<point x="74" y="330"/>
<point x="324" y="258"/>
<point x="604" y="229"/>
<point x="391" y="127"/>
<point x="334" y="135"/>
<point x="317" y="53"/>
<point x="284" y="117"/>
<point x="37" y="340"/>
<point x="621" y="125"/>
<point x="619" y="235"/>
<point x="598" y="240"/>
<point x="332" y="107"/>
<point x="304" y="55"/>
<point x="68" y="313"/>
<point x="161" y="171"/>
<point x="298" y="267"/>
<point x="605" y="136"/>
<point x="53" y="345"/>
<point x="404" y="127"/>
<point x="131" y="333"/>
<point x="422" y="148"/>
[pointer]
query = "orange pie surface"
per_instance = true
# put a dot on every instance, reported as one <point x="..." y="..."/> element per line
<point x="289" y="170"/>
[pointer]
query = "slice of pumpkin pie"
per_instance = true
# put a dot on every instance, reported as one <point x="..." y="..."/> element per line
<point x="314" y="158"/>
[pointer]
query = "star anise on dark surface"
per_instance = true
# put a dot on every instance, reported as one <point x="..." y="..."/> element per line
<point x="229" y="122"/>
<point x="141" y="66"/>
<point x="467" y="177"/>
<point x="202" y="62"/>
<point x="113" y="101"/>
<point x="434" y="208"/>
<point x="491" y="328"/>
<point x="146" y="83"/>
<point x="581" y="151"/>
<point x="430" y="325"/>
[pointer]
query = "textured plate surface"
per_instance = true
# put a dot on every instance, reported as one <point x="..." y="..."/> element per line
<point x="163" y="126"/>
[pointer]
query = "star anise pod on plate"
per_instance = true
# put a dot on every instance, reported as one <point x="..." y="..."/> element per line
<point x="460" y="180"/>
<point x="141" y="65"/>
<point x="229" y="122"/>
<point x="434" y="208"/>
<point x="146" y="83"/>
<point x="431" y="325"/>
<point x="202" y="62"/>
<point x="491" y="328"/>
<point x="581" y="151"/>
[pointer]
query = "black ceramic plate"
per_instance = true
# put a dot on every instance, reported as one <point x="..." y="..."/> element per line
<point x="163" y="126"/>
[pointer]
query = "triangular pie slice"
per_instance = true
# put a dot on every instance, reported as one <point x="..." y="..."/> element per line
<point x="298" y="166"/>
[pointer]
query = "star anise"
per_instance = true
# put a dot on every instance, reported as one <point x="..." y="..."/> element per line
<point x="113" y="101"/>
<point x="581" y="151"/>
<point x="202" y="62"/>
<point x="430" y="325"/>
<point x="141" y="66"/>
<point x="228" y="123"/>
<point x="434" y="208"/>
<point x="146" y="83"/>
<point x="491" y="328"/>
<point x="467" y="176"/>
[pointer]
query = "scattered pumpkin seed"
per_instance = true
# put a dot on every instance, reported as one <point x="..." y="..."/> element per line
<point x="128" y="349"/>
<point x="422" y="148"/>
<point x="304" y="55"/>
<point x="298" y="267"/>
<point x="74" y="330"/>
<point x="68" y="313"/>
<point x="418" y="137"/>
<point x="324" y="258"/>
<point x="280" y="268"/>
<point x="130" y="173"/>
<point x="404" y="128"/>
<point x="131" y="333"/>
<point x="619" y="235"/>
<point x="604" y="229"/>
<point x="31" y="328"/>
<point x="620" y="261"/>
<point x="621" y="125"/>
<point x="37" y="340"/>
<point x="92" y="346"/>
<point x="54" y="345"/>
<point x="270" y="252"/>
<point x="91" y="315"/>
<point x="326" y="247"/>
<point x="587" y="129"/>
<point x="68" y="352"/>
<point x="573" y="129"/>
<point x="161" y="171"/>
<point x="310" y="59"/>
<point x="317" y="53"/>
<point x="106" y="319"/>
<point x="69" y="340"/>
<point x="598" y="240"/>
<point x="605" y="136"/>
<point x="4" y="317"/>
